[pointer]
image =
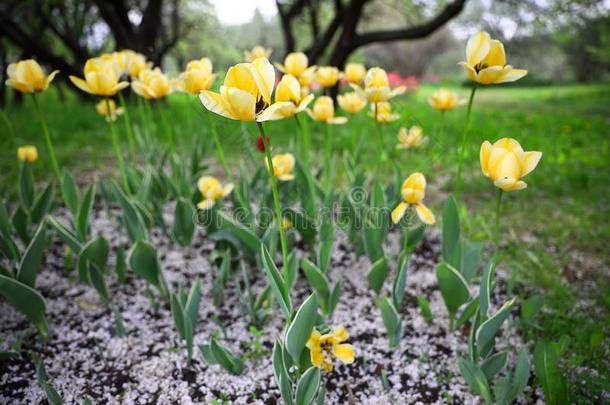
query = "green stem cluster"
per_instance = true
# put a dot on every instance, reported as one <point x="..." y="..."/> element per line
<point x="128" y="127"/>
<point x="47" y="138"/>
<point x="463" y="144"/>
<point x="117" y="149"/>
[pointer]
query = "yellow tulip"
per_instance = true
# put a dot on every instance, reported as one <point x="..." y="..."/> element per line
<point x="382" y="112"/>
<point x="296" y="64"/>
<point x="135" y="63"/>
<point x="323" y="347"/>
<point x="413" y="191"/>
<point x="28" y="77"/>
<point x="246" y="92"/>
<point x="289" y="100"/>
<point x="324" y="111"/>
<point x="27" y="153"/>
<point x="377" y="86"/>
<point x="411" y="138"/>
<point x="257" y="52"/>
<point x="486" y="61"/>
<point x="118" y="61"/>
<point x="197" y="77"/>
<point x="102" y="109"/>
<point x="283" y="166"/>
<point x="212" y="191"/>
<point x="100" y="78"/>
<point x="351" y="102"/>
<point x="354" y="73"/>
<point x="505" y="163"/>
<point x="286" y="224"/>
<point x="152" y="84"/>
<point x="327" y="76"/>
<point x="445" y="100"/>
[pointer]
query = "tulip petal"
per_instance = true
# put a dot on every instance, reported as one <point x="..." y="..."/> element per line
<point x="277" y="111"/>
<point x="484" y="157"/>
<point x="22" y="87"/>
<point x="314" y="339"/>
<point x="345" y="352"/>
<point x="398" y="91"/>
<point x="358" y="90"/>
<point x="81" y="84"/>
<point x="399" y="212"/>
<point x="240" y="76"/>
<point x="530" y="161"/>
<point x="470" y="72"/>
<point x="340" y="334"/>
<point x="280" y="67"/>
<point x="50" y="77"/>
<point x="510" y="184"/>
<point x="214" y="102"/>
<point x="226" y="190"/>
<point x="491" y="75"/>
<point x="477" y="47"/>
<point x="424" y="214"/>
<point x="316" y="356"/>
<point x="511" y="75"/>
<point x="242" y="104"/>
<point x="305" y="102"/>
<point x="496" y="55"/>
<point x="337" y="120"/>
<point x="264" y="76"/>
<point x="206" y="204"/>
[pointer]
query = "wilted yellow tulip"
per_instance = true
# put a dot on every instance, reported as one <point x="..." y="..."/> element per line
<point x="283" y="166"/>
<point x="257" y="52"/>
<point x="351" y="102"/>
<point x="296" y="64"/>
<point x="382" y="112"/>
<point x="212" y="191"/>
<point x="413" y="191"/>
<point x="323" y="347"/>
<point x="486" y="61"/>
<point x="28" y="77"/>
<point x="289" y="100"/>
<point x="327" y="76"/>
<point x="102" y="109"/>
<point x="152" y="84"/>
<point x="27" y="153"/>
<point x="444" y="100"/>
<point x="377" y="86"/>
<point x="100" y="78"/>
<point x="505" y="163"/>
<point x="411" y="138"/>
<point x="324" y="111"/>
<point x="354" y="73"/>
<point x="197" y="77"/>
<point x="246" y="91"/>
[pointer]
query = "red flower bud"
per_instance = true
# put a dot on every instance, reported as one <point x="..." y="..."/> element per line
<point x="260" y="144"/>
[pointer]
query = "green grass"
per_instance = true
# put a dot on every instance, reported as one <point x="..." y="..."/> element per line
<point x="555" y="233"/>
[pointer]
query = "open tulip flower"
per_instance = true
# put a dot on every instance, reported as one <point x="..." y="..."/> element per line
<point x="486" y="61"/>
<point x="289" y="100"/>
<point x="152" y="84"/>
<point x="110" y="113"/>
<point x="505" y="163"/>
<point x="197" y="77"/>
<point x="382" y="112"/>
<point x="257" y="52"/>
<point x="212" y="191"/>
<point x="322" y="348"/>
<point x="135" y="63"/>
<point x="28" y="77"/>
<point x="351" y="102"/>
<point x="100" y="78"/>
<point x="283" y="166"/>
<point x="27" y="153"/>
<point x="445" y="100"/>
<point x="324" y="111"/>
<point x="245" y="93"/>
<point x="296" y="64"/>
<point x="413" y="191"/>
<point x="377" y="86"/>
<point x="411" y="138"/>
<point x="327" y="76"/>
<point x="354" y="73"/>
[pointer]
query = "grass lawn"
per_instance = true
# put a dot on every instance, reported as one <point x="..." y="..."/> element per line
<point x="556" y="232"/>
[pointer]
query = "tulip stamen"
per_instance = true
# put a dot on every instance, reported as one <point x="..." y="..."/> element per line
<point x="261" y="105"/>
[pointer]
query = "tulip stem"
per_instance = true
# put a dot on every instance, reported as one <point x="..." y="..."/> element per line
<point x="167" y="128"/>
<point x="276" y="203"/>
<point x="117" y="149"/>
<point x="497" y="232"/>
<point x="379" y="139"/>
<point x="128" y="127"/>
<point x="47" y="138"/>
<point x="9" y="126"/>
<point x="463" y="143"/>
<point x="305" y="144"/>
<point x="328" y="156"/>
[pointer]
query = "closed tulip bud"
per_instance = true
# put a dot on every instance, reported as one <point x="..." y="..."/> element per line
<point x="295" y="64"/>
<point x="445" y="100"/>
<point x="351" y="102"/>
<point x="257" y="52"/>
<point x="413" y="191"/>
<point x="27" y="153"/>
<point x="324" y="111"/>
<point x="100" y="78"/>
<point x="197" y="77"/>
<point x="505" y="163"/>
<point x="283" y="166"/>
<point x="110" y="114"/>
<point x="355" y="73"/>
<point x="382" y="112"/>
<point x="486" y="61"/>
<point x="212" y="191"/>
<point x="28" y="77"/>
<point x="411" y="138"/>
<point x="152" y="84"/>
<point x="377" y="86"/>
<point x="327" y="76"/>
